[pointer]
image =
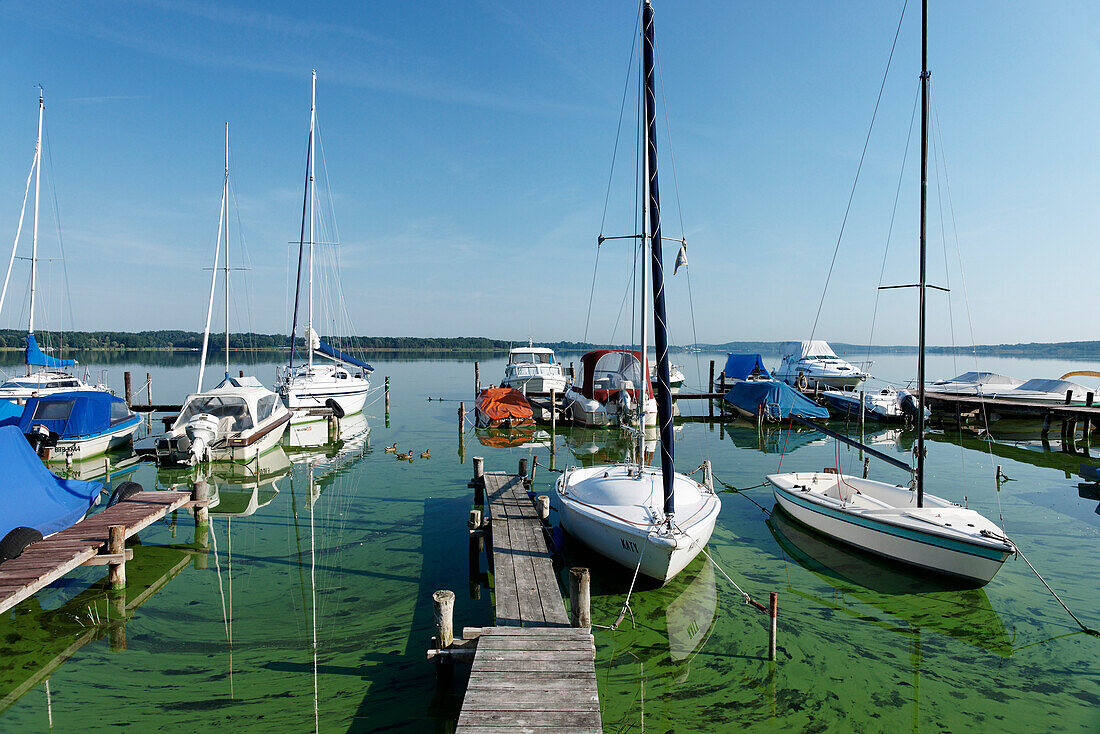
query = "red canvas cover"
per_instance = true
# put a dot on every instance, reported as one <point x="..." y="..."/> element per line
<point x="588" y="368"/>
<point x="499" y="406"/>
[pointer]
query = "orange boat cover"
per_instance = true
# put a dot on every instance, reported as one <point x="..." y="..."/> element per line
<point x="500" y="405"/>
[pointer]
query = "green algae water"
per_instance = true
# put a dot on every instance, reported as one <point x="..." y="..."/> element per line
<point x="307" y="604"/>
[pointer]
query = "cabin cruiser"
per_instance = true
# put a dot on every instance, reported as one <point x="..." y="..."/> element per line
<point x="886" y="406"/>
<point x="813" y="364"/>
<point x="976" y="383"/>
<point x="76" y="424"/>
<point x="533" y="370"/>
<point x="675" y="375"/>
<point x="238" y="420"/>
<point x="1042" y="390"/>
<point x="610" y="390"/>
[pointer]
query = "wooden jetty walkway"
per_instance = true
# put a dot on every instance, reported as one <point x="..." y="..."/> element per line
<point x="959" y="408"/>
<point x="96" y="540"/>
<point x="532" y="671"/>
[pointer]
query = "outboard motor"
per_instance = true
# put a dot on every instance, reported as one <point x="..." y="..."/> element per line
<point x="908" y="403"/>
<point x="202" y="431"/>
<point x="41" y="438"/>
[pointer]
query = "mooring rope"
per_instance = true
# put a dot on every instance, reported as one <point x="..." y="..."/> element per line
<point x="626" y="602"/>
<point x="735" y="490"/>
<point x="1084" y="628"/>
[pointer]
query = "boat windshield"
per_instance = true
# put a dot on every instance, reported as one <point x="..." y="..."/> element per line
<point x="615" y="368"/>
<point x="524" y="357"/>
<point x="53" y="410"/>
<point x="219" y="406"/>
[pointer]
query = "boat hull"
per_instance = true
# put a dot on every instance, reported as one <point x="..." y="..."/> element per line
<point x="86" y="447"/>
<point x="976" y="564"/>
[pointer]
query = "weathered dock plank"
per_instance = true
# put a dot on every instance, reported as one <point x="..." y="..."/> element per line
<point x="44" y="562"/>
<point x="532" y="672"/>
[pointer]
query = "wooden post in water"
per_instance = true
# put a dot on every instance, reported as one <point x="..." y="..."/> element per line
<point x="1087" y="427"/>
<point x="580" y="597"/>
<point x="477" y="541"/>
<point x="461" y="417"/>
<point x="862" y="421"/>
<point x="240" y="373"/>
<point x="522" y="471"/>
<point x="773" y="614"/>
<point x="200" y="492"/>
<point x="1047" y="419"/>
<point x="572" y="374"/>
<point x="126" y="383"/>
<point x="477" y="379"/>
<point x="534" y="468"/>
<point x="116" y="603"/>
<point x="479" y="480"/>
<point x="542" y="503"/>
<point x="444" y="604"/>
<point x="387" y="398"/>
<point x="116" y="545"/>
<point x="553" y="415"/>
<point x="710" y="389"/>
<point x="149" y="386"/>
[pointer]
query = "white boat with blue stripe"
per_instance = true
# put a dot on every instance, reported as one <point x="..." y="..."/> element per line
<point x="885" y="519"/>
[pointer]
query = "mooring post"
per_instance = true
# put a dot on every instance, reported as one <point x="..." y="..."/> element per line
<point x="478" y="481"/>
<point x="542" y="503"/>
<point x="477" y="538"/>
<point x="444" y="604"/>
<point x="116" y="601"/>
<point x="200" y="493"/>
<point x="116" y="545"/>
<point x="461" y="416"/>
<point x="107" y="470"/>
<point x="1047" y="420"/>
<point x="572" y="374"/>
<point x="534" y="468"/>
<point x="553" y="415"/>
<point x="866" y="466"/>
<point x="862" y="419"/>
<point x="580" y="597"/>
<point x="126" y="383"/>
<point x="240" y="373"/>
<point x="710" y="389"/>
<point x="149" y="386"/>
<point x="387" y="397"/>
<point x="522" y="471"/>
<point x="773" y="613"/>
<point x="477" y="379"/>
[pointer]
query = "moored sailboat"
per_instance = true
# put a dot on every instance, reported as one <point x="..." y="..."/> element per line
<point x="650" y="519"/>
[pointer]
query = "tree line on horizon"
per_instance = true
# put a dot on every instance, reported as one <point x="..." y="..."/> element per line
<point x="179" y="340"/>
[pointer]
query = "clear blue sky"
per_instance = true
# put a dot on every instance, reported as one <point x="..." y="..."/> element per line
<point x="469" y="147"/>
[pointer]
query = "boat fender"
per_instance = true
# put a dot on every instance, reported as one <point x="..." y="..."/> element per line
<point x="123" y="492"/>
<point x="16" y="541"/>
<point x="335" y="407"/>
<point x="801" y="381"/>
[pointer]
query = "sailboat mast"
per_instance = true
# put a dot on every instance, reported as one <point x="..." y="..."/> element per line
<point x="660" y="328"/>
<point x="924" y="79"/>
<point x="645" y="322"/>
<point x="37" y="186"/>
<point x="312" y="159"/>
<point x="213" y="283"/>
<point x="225" y="212"/>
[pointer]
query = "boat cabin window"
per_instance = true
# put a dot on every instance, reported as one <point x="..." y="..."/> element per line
<point x="53" y="410"/>
<point x="341" y="375"/>
<point x="614" y="368"/>
<point x="219" y="407"/>
<point x="536" y="357"/>
<point x="119" y="412"/>
<point x="67" y="383"/>
<point x="265" y="406"/>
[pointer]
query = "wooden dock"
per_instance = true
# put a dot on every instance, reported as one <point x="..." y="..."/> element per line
<point x="44" y="562"/>
<point x="950" y="408"/>
<point x="532" y="672"/>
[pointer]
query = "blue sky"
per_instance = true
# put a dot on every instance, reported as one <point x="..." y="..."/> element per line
<point x="468" y="148"/>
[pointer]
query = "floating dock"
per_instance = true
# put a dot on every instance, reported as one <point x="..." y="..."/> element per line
<point x="532" y="671"/>
<point x="96" y="540"/>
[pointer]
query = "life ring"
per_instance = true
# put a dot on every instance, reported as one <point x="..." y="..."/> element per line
<point x="801" y="381"/>
<point x="335" y="407"/>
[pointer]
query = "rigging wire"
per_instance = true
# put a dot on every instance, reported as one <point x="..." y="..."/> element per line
<point x="859" y="168"/>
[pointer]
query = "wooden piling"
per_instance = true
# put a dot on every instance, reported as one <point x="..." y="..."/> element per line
<point x="862" y="419"/>
<point x="387" y="394"/>
<point x="116" y="605"/>
<point x="479" y="480"/>
<point x="531" y="481"/>
<point x="542" y="504"/>
<point x="580" y="597"/>
<point x="444" y="603"/>
<point x="773" y="614"/>
<point x="200" y="492"/>
<point x="461" y="417"/>
<point x="710" y="388"/>
<point x="116" y="546"/>
<point x="523" y="469"/>
<point x="126" y="383"/>
<point x="553" y="416"/>
<point x="1047" y="420"/>
<point x="149" y="386"/>
<point x="477" y="379"/>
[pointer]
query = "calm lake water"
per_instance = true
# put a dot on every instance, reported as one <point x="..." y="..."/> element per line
<point x="311" y="607"/>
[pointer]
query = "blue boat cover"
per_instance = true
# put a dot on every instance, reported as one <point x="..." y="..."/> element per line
<point x="742" y="366"/>
<point x="31" y="496"/>
<point x="780" y="400"/>
<point x="70" y="414"/>
<point x="10" y="409"/>
<point x="326" y="348"/>
<point x="36" y="357"/>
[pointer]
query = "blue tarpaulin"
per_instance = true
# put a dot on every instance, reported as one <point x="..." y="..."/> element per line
<point x="70" y="414"/>
<point x="780" y="400"/>
<point x="31" y="496"/>
<point x="742" y="366"/>
<point x="35" y="356"/>
<point x="326" y="348"/>
<point x="10" y="409"/>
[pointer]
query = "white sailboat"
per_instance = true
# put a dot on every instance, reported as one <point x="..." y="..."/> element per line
<point x="45" y="374"/>
<point x="900" y="522"/>
<point x="341" y="383"/>
<point x="650" y="519"/>
<point x="240" y="419"/>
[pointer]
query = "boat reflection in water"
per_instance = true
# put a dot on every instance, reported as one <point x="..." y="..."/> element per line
<point x="643" y="664"/>
<point x="331" y="433"/>
<point x="594" y="447"/>
<point x="528" y="437"/>
<point x="923" y="602"/>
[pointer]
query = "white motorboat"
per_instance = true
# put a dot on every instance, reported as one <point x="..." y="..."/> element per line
<point x="343" y="383"/>
<point x="675" y="376"/>
<point x="886" y="406"/>
<point x="651" y="520"/>
<point x="1041" y="390"/>
<point x="533" y="370"/>
<point x="610" y="391"/>
<point x="240" y="419"/>
<point x="976" y="383"/>
<point x="45" y="373"/>
<point x="902" y="523"/>
<point x="810" y="365"/>
<point x="885" y="519"/>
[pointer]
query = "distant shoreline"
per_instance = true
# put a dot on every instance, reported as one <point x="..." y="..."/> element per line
<point x="181" y="342"/>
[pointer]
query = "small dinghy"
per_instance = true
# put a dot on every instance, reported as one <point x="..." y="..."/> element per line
<point x="502" y="407"/>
